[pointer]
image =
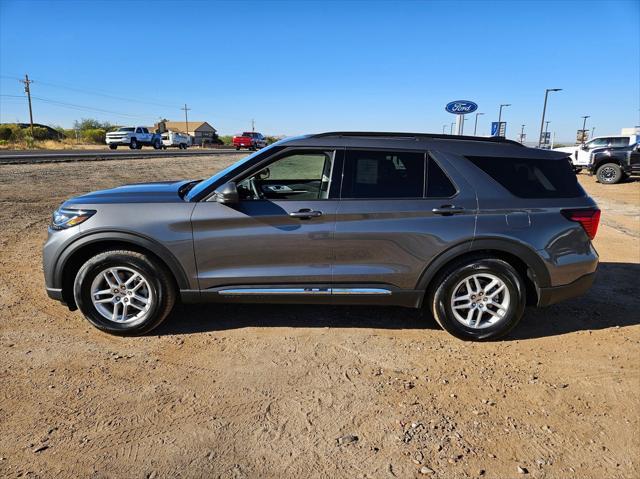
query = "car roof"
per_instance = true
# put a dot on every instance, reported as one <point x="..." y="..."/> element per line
<point x="455" y="144"/>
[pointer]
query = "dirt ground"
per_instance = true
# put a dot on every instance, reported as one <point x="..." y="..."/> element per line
<point x="238" y="391"/>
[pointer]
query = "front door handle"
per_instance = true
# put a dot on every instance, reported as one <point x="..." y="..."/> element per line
<point x="305" y="214"/>
<point x="447" y="210"/>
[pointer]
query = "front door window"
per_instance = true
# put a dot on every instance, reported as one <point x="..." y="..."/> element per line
<point x="299" y="176"/>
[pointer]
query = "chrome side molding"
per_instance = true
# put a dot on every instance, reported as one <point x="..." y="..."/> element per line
<point x="269" y="291"/>
<point x="302" y="291"/>
<point x="358" y="291"/>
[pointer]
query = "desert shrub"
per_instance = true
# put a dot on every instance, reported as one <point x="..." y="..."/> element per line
<point x="226" y="139"/>
<point x="94" y="135"/>
<point x="5" y="133"/>
<point x="40" y="133"/>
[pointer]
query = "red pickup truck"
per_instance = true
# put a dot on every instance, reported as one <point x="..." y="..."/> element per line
<point x="250" y="140"/>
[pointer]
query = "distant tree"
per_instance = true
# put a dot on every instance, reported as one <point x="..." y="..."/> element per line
<point x="226" y="139"/>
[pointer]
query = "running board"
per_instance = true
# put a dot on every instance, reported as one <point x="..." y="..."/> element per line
<point x="302" y="291"/>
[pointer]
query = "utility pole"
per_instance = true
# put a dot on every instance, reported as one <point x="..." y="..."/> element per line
<point x="544" y="111"/>
<point x="186" y="118"/>
<point x="593" y="131"/>
<point x="522" y="134"/>
<point x="27" y="90"/>
<point x="584" y="125"/>
<point x="253" y="125"/>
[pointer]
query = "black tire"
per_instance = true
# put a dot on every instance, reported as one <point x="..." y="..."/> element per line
<point x="609" y="174"/>
<point x="113" y="147"/>
<point x="133" y="144"/>
<point x="444" y="286"/>
<point x="157" y="145"/>
<point x="237" y="148"/>
<point x="161" y="290"/>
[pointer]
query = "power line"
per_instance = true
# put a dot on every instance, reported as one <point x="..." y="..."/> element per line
<point x="96" y="92"/>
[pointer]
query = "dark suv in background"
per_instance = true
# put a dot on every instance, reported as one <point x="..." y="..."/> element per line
<point x="613" y="164"/>
<point x="470" y="229"/>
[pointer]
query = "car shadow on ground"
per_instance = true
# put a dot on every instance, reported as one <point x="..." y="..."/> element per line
<point x="613" y="301"/>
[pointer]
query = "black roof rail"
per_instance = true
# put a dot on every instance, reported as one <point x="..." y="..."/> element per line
<point x="432" y="136"/>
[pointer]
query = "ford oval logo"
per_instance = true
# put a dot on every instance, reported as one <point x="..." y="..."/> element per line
<point x="461" y="107"/>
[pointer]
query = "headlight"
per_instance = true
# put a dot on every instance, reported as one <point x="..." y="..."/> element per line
<point x="64" y="218"/>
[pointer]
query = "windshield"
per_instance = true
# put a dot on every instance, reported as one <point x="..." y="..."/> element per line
<point x="203" y="185"/>
<point x="126" y="129"/>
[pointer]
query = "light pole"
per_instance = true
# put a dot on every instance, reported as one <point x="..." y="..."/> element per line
<point x="544" y="110"/>
<point x="584" y="125"/>
<point x="522" y="134"/>
<point x="443" y="127"/>
<point x="593" y="131"/>
<point x="500" y="114"/>
<point x="451" y="129"/>
<point x="475" y="127"/>
<point x="546" y="131"/>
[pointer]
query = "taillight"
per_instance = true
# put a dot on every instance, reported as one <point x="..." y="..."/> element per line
<point x="588" y="218"/>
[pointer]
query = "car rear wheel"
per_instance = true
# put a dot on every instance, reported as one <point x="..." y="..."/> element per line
<point x="478" y="299"/>
<point x="157" y="144"/>
<point x="113" y="147"/>
<point x="134" y="144"/>
<point x="609" y="173"/>
<point x="124" y="292"/>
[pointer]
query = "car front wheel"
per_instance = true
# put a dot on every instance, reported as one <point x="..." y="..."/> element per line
<point x="478" y="299"/>
<point x="124" y="292"/>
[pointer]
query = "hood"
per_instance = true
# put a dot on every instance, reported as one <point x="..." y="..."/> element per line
<point x="118" y="133"/>
<point x="567" y="149"/>
<point x="160" y="192"/>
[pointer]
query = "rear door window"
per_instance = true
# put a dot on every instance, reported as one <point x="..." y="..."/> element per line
<point x="532" y="177"/>
<point x="617" y="142"/>
<point x="438" y="183"/>
<point x="383" y="174"/>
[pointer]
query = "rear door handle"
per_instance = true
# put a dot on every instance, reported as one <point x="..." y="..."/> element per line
<point x="305" y="214"/>
<point x="447" y="210"/>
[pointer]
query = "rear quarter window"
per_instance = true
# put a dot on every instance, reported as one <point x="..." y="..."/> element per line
<point x="532" y="177"/>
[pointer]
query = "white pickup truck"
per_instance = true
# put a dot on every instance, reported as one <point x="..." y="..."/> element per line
<point x="135" y="137"/>
<point x="174" y="138"/>
<point x="581" y="154"/>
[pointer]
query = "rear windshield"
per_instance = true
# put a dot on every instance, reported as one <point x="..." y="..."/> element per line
<point x="247" y="134"/>
<point x="126" y="129"/>
<point x="532" y="178"/>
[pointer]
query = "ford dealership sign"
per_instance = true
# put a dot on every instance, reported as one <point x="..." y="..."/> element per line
<point x="461" y="107"/>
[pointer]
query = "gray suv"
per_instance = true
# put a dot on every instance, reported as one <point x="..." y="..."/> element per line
<point x="470" y="229"/>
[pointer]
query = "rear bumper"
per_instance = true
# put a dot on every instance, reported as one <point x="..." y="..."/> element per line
<point x="555" y="294"/>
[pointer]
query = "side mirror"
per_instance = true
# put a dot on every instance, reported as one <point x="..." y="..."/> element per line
<point x="227" y="194"/>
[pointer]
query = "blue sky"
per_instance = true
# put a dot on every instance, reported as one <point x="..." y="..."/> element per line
<point x="300" y="67"/>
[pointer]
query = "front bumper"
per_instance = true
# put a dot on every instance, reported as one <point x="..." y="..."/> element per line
<point x="555" y="294"/>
